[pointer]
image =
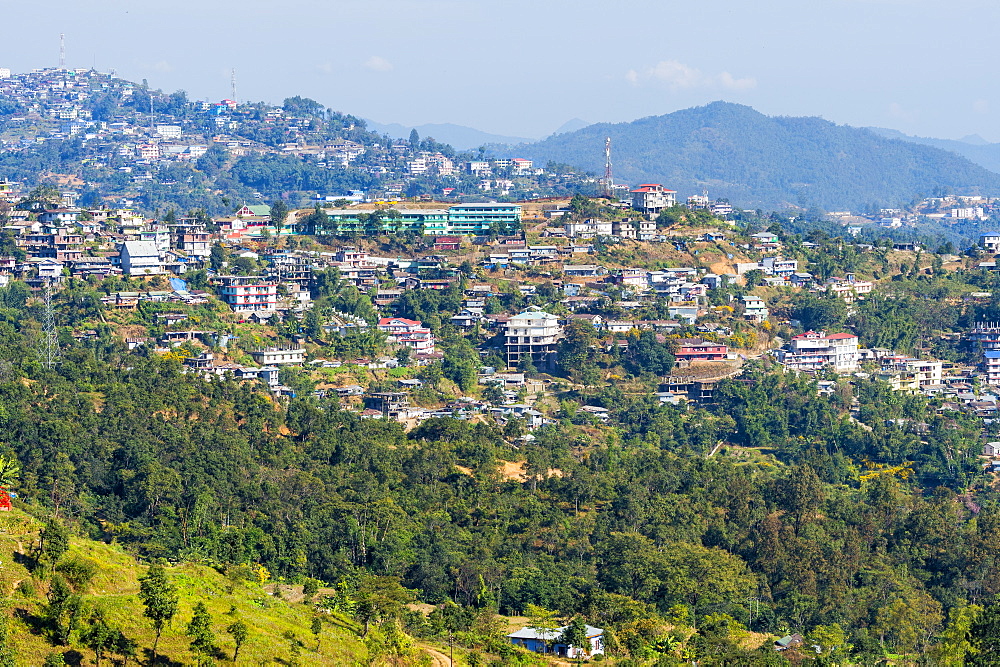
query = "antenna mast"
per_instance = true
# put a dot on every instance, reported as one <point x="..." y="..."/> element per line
<point x="62" y="51"/>
<point x="233" y="81"/>
<point x="609" y="181"/>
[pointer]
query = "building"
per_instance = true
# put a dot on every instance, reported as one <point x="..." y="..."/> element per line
<point x="277" y="356"/>
<point x="990" y="243"/>
<point x="651" y="198"/>
<point x="815" y="350"/>
<point x="140" y="258"/>
<point x="249" y="293"/>
<point x="547" y="641"/>
<point x="191" y="238"/>
<point x="754" y="309"/>
<point x="700" y="350"/>
<point x="533" y="335"/>
<point x="480" y="218"/>
<point x="407" y="333"/>
<point x="908" y="374"/>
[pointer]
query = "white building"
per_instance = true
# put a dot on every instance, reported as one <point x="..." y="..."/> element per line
<point x="532" y="334"/>
<point x="815" y="350"/>
<point x="140" y="258"/>
<point x="276" y="356"/>
<point x="990" y="243"/>
<point x="754" y="309"/>
<point x="652" y="198"/>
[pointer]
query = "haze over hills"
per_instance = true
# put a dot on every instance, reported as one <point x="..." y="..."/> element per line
<point x="756" y="160"/>
<point x="459" y="137"/>
<point x="973" y="147"/>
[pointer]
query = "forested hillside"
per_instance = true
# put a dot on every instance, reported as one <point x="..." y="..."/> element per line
<point x="761" y="161"/>
<point x="850" y="525"/>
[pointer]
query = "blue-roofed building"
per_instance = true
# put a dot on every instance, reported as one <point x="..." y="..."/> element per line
<point x="548" y="642"/>
<point x="992" y="360"/>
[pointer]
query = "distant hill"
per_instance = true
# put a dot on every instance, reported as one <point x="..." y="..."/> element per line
<point x="973" y="147"/>
<point x="755" y="160"/>
<point x="571" y="126"/>
<point x="458" y="136"/>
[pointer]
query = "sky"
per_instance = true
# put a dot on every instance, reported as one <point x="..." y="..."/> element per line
<point x="525" y="67"/>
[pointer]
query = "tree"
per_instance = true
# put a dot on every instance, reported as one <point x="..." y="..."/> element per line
<point x="54" y="543"/>
<point x="279" y="213"/>
<point x="62" y="611"/>
<point x="98" y="636"/>
<point x="984" y="636"/>
<point x="200" y="632"/>
<point x="543" y="621"/>
<point x="240" y="632"/>
<point x="160" y="598"/>
<point x="575" y="635"/>
<point x="317" y="628"/>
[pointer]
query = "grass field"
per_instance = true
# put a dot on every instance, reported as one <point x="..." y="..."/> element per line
<point x="275" y="624"/>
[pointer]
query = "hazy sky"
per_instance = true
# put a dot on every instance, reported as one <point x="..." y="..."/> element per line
<point x="524" y="67"/>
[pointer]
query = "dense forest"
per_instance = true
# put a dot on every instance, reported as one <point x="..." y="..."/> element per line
<point x="761" y="161"/>
<point x="853" y="518"/>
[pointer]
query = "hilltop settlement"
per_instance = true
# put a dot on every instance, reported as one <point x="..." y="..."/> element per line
<point x="452" y="397"/>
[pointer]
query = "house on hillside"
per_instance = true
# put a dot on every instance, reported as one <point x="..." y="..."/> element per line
<point x="140" y="258"/>
<point x="547" y="641"/>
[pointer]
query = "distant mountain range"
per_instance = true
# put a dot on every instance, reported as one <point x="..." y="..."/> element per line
<point x="459" y="137"/>
<point x="756" y="160"/>
<point x="973" y="147"/>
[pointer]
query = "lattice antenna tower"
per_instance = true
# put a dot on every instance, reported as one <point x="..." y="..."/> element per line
<point x="48" y="348"/>
<point x="62" y="51"/>
<point x="233" y="81"/>
<point x="609" y="181"/>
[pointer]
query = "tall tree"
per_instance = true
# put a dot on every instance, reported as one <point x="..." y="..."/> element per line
<point x="240" y="632"/>
<point x="200" y="632"/>
<point x="160" y="598"/>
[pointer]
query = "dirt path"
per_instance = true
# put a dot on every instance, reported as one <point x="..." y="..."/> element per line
<point x="438" y="659"/>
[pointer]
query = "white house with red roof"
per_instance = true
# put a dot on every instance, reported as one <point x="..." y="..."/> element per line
<point x="651" y="198"/>
<point x="815" y="350"/>
<point x="408" y="333"/>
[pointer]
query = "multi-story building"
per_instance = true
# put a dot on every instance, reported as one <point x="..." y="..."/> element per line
<point x="815" y="350"/>
<point x="460" y="219"/>
<point x="699" y="350"/>
<point x="651" y="198"/>
<point x="276" y="356"/>
<point x="408" y="333"/>
<point x="992" y="362"/>
<point x="191" y="238"/>
<point x="754" y="309"/>
<point x="533" y="335"/>
<point x="990" y="243"/>
<point x="140" y="258"/>
<point x="908" y="374"/>
<point x="249" y="293"/>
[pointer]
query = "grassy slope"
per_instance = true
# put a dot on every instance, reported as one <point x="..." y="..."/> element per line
<point x="115" y="589"/>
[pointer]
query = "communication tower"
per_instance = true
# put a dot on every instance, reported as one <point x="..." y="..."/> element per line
<point x="62" y="51"/>
<point x="233" y="81"/>
<point x="609" y="181"/>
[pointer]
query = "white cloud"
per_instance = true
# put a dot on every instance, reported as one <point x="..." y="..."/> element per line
<point x="378" y="64"/>
<point x="678" y="76"/>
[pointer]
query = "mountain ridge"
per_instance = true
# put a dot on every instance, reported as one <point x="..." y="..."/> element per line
<point x="756" y="160"/>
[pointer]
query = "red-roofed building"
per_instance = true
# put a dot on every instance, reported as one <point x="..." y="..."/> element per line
<point x="651" y="198"/>
<point x="447" y="242"/>
<point x="701" y="351"/>
<point x="408" y="333"/>
<point x="815" y="350"/>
